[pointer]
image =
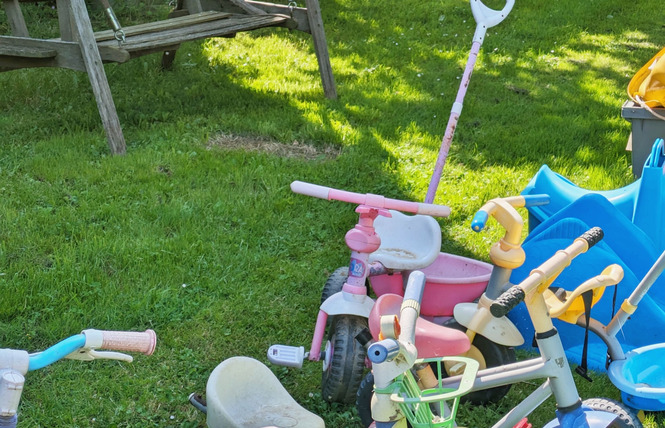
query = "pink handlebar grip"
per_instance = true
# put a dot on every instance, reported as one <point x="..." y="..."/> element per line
<point x="130" y="341"/>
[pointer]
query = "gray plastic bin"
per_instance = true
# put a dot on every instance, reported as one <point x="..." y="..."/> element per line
<point x="645" y="129"/>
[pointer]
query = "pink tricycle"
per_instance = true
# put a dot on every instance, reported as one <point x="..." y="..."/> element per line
<point x="385" y="246"/>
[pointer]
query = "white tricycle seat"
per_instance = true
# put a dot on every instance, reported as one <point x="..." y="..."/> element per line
<point x="408" y="242"/>
<point x="243" y="393"/>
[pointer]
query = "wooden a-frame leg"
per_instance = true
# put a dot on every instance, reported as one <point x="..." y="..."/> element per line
<point x="97" y="76"/>
<point x="321" y="48"/>
<point x="15" y="18"/>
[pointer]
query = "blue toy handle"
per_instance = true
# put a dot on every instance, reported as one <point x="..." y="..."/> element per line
<point x="536" y="200"/>
<point x="479" y="221"/>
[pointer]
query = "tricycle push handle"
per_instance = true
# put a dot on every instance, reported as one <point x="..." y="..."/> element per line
<point x="486" y="17"/>
<point x="542" y="276"/>
<point x="371" y="200"/>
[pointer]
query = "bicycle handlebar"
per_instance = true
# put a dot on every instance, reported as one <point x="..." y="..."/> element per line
<point x="368" y="199"/>
<point x="144" y="342"/>
<point x="545" y="273"/>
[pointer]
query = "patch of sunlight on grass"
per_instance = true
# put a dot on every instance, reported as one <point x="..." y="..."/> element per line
<point x="268" y="63"/>
<point x="584" y="154"/>
<point x="336" y="122"/>
<point x="606" y="42"/>
<point x="416" y="160"/>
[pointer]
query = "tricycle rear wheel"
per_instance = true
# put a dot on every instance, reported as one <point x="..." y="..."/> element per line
<point x="488" y="354"/>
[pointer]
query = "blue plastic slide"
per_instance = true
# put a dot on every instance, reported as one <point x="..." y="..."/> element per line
<point x="642" y="201"/>
<point x="625" y="244"/>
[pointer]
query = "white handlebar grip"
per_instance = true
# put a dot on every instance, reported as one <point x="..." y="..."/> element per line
<point x="433" y="210"/>
<point x="130" y="341"/>
<point x="310" y="189"/>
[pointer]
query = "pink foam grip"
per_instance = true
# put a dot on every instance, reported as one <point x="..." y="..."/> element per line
<point x="130" y="341"/>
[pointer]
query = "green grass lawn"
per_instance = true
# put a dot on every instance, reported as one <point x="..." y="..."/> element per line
<point x="195" y="232"/>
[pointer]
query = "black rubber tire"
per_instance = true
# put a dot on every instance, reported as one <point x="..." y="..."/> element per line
<point x="335" y="282"/>
<point x="340" y="382"/>
<point x="627" y="416"/>
<point x="364" y="399"/>
<point x="494" y="355"/>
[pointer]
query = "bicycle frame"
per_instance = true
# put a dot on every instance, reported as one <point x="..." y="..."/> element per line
<point x="552" y="365"/>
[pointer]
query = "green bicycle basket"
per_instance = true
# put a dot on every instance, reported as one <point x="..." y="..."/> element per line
<point x="422" y="407"/>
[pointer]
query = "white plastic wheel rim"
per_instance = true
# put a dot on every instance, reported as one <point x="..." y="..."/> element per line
<point x="327" y="356"/>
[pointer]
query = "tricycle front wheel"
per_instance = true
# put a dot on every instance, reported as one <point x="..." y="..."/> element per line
<point x="344" y="364"/>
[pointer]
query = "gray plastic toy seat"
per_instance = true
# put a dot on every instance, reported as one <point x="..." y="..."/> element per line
<point x="243" y="393"/>
<point x="408" y="242"/>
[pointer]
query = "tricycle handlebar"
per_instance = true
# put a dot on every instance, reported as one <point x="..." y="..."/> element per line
<point x="387" y="349"/>
<point x="508" y="252"/>
<point x="368" y="199"/>
<point x="482" y="215"/>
